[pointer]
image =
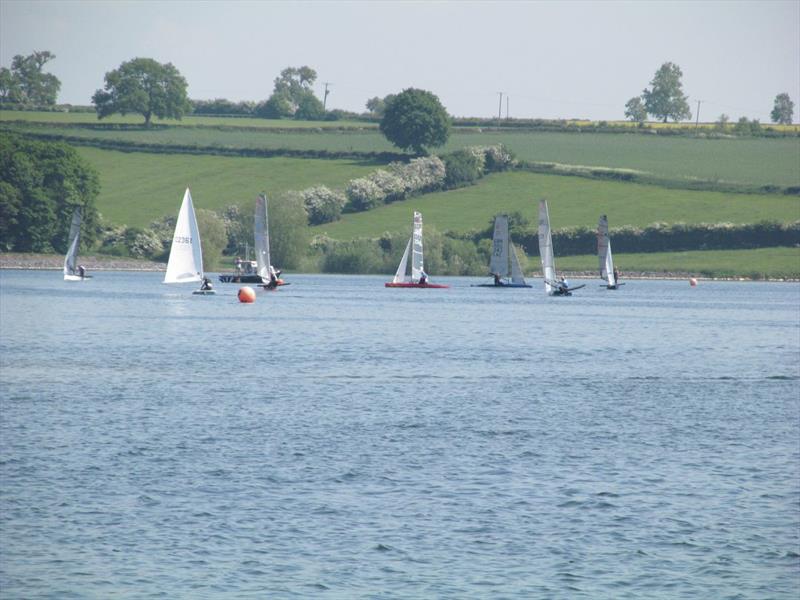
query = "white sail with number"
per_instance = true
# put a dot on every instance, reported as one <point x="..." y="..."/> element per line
<point x="71" y="272"/>
<point x="262" y="237"/>
<point x="504" y="261"/>
<point x="186" y="255"/>
<point x="546" y="248"/>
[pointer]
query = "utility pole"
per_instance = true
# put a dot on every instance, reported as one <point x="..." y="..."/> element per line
<point x="325" y="99"/>
<point x="697" y="122"/>
<point x="506" y="107"/>
<point x="500" y="108"/>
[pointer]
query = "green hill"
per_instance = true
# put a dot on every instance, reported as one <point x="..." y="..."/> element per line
<point x="573" y="201"/>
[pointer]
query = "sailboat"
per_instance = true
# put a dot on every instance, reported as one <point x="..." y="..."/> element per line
<point x="504" y="261"/>
<point x="72" y="270"/>
<point x="551" y="285"/>
<point x="186" y="256"/>
<point x="418" y="277"/>
<point x="607" y="270"/>
<point x="264" y="267"/>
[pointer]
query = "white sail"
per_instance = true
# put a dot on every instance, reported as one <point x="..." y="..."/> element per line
<point x="546" y="248"/>
<point x="498" y="265"/>
<point x="400" y="275"/>
<point x="71" y="259"/>
<point x="417" y="266"/>
<point x="186" y="256"/>
<point x="517" y="278"/>
<point x="609" y="267"/>
<point x="262" y="237"/>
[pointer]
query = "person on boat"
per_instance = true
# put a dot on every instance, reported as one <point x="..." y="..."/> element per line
<point x="497" y="280"/>
<point x="423" y="277"/>
<point x="563" y="285"/>
<point x="81" y="271"/>
<point x="273" y="280"/>
<point x="616" y="275"/>
<point x="206" y="285"/>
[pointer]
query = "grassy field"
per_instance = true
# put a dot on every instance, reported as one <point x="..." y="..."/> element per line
<point x="756" y="161"/>
<point x="91" y="118"/>
<point x="573" y="202"/>
<point x="138" y="188"/>
<point x="762" y="263"/>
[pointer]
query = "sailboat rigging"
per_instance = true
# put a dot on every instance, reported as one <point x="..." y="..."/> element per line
<point x="605" y="258"/>
<point x="418" y="277"/>
<point x="504" y="261"/>
<point x="552" y="286"/>
<point x="72" y="270"/>
<point x="270" y="277"/>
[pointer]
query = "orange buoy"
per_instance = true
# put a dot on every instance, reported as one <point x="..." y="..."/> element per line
<point x="247" y="294"/>
<point x="692" y="281"/>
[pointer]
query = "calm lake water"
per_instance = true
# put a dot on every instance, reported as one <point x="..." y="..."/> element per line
<point x="337" y="439"/>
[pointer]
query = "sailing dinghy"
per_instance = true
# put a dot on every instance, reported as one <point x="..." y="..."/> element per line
<point x="418" y="277"/>
<point x="72" y="270"/>
<point x="504" y="261"/>
<point x="551" y="285"/>
<point x="264" y="266"/>
<point x="607" y="270"/>
<point x="186" y="256"/>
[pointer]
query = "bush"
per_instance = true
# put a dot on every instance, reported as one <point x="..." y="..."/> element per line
<point x="322" y="204"/>
<point x="462" y="168"/>
<point x="363" y="194"/>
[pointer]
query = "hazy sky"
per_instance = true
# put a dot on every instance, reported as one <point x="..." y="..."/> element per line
<point x="550" y="59"/>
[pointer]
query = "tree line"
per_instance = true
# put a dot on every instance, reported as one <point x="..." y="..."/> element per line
<point x="665" y="100"/>
<point x="147" y="87"/>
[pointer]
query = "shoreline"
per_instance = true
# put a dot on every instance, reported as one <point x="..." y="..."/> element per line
<point x="48" y="262"/>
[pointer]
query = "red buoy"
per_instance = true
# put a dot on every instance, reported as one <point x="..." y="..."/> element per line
<point x="247" y="294"/>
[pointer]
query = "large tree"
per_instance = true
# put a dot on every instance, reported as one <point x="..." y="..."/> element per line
<point x="25" y="83"/>
<point x="40" y="186"/>
<point x="783" y="111"/>
<point x="146" y="87"/>
<point x="665" y="98"/>
<point x="415" y="120"/>
<point x="293" y="95"/>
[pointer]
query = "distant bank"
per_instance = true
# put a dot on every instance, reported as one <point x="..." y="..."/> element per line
<point x="54" y="262"/>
